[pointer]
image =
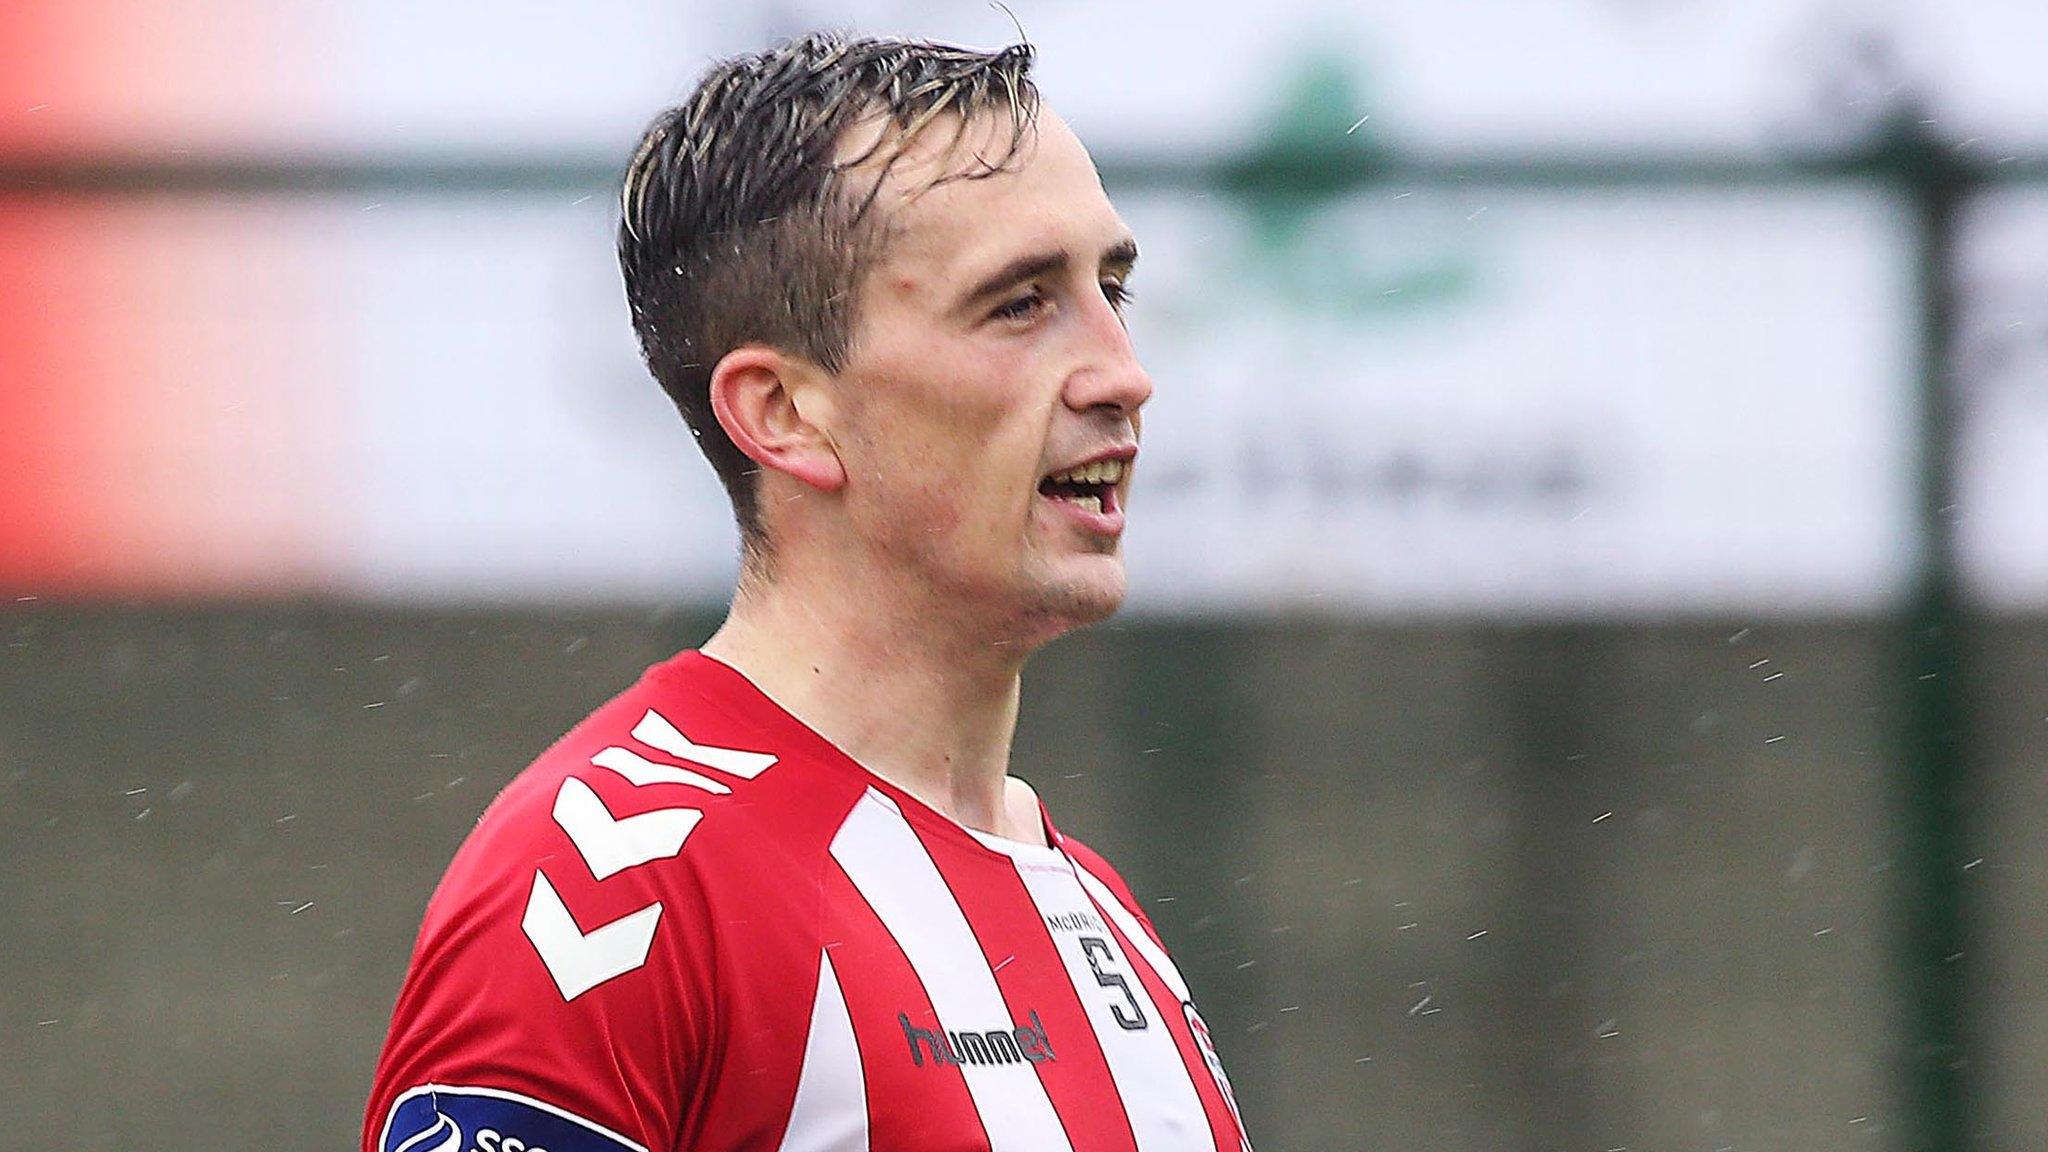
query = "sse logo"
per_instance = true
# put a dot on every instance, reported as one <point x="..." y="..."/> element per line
<point x="444" y="1118"/>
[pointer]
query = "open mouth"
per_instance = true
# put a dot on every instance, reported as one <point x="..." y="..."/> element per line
<point x="1091" y="487"/>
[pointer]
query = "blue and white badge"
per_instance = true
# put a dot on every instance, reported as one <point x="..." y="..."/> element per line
<point x="446" y="1118"/>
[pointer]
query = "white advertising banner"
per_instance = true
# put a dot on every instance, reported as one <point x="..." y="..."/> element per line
<point x="1523" y="403"/>
<point x="434" y="77"/>
<point x="1436" y="400"/>
<point x="1489" y="403"/>
<point x="2002" y="476"/>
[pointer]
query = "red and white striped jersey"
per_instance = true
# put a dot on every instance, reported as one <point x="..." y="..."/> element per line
<point x="695" y="925"/>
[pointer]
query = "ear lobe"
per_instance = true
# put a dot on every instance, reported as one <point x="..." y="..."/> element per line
<point x="778" y="412"/>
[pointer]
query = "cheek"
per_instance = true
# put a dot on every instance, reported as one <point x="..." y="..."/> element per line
<point x="956" y="442"/>
<point x="973" y="510"/>
<point x="965" y="452"/>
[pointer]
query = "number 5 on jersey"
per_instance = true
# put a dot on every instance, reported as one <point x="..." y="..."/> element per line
<point x="1101" y="961"/>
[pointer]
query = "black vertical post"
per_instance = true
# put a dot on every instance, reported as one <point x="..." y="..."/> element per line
<point x="1560" y="898"/>
<point x="1934" y="749"/>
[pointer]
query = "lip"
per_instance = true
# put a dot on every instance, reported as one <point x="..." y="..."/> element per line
<point x="1123" y="452"/>
<point x="1108" y="522"/>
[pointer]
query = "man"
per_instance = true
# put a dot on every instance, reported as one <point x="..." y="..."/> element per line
<point x="782" y="893"/>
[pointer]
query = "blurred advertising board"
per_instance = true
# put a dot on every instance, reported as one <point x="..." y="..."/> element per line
<point x="1487" y="403"/>
<point x="1166" y="77"/>
<point x="2002" y="386"/>
<point x="1395" y="401"/>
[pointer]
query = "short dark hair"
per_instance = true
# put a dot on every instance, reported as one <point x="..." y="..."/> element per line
<point x="737" y="224"/>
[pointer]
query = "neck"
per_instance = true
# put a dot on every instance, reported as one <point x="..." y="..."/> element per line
<point x="893" y="686"/>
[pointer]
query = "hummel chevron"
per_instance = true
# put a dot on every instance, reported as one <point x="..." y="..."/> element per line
<point x="577" y="960"/>
<point x="611" y="845"/>
<point x="580" y="961"/>
<point x="641" y="771"/>
<point x="655" y="731"/>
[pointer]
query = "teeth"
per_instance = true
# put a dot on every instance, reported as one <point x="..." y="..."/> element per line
<point x="1100" y="472"/>
<point x="1091" y="503"/>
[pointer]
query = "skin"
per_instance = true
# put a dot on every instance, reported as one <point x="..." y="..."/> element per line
<point x="916" y="566"/>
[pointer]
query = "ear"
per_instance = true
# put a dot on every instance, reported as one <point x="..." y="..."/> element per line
<point x="778" y="410"/>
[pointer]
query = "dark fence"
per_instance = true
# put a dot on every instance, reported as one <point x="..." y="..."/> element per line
<point x="1459" y="887"/>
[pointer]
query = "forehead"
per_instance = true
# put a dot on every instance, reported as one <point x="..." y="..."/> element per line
<point x="944" y="225"/>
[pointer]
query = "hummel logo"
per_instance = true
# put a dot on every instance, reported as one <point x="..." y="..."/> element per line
<point x="996" y="1046"/>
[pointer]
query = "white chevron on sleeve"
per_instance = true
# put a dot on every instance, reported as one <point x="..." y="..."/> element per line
<point x="640" y="770"/>
<point x="580" y="961"/>
<point x="655" y="731"/>
<point x="611" y="845"/>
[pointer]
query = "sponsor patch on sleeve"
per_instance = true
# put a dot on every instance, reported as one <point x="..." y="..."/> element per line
<point x="445" y="1118"/>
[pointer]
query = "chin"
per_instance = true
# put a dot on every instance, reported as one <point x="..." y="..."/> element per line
<point x="1078" y="601"/>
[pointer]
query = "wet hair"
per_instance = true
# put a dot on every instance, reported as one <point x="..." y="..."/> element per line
<point x="741" y="221"/>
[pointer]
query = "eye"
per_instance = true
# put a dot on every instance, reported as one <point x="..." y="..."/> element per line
<point x="1023" y="307"/>
<point x="1117" y="293"/>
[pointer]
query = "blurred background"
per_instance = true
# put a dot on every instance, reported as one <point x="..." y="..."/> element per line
<point x="1586" y="681"/>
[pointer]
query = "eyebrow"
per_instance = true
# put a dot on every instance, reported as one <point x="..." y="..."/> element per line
<point x="1121" y="256"/>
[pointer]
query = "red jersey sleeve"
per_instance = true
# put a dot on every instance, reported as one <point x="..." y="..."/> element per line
<point x="548" y="1005"/>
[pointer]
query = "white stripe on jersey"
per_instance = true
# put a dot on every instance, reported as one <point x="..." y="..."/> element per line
<point x="1165" y="1111"/>
<point x="888" y="864"/>
<point x="831" y="1110"/>
<point x="1133" y="931"/>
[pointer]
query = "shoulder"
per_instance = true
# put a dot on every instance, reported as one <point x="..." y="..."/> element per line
<point x="670" y="794"/>
<point x="1021" y="804"/>
<point x="660" y="773"/>
<point x="581" y="947"/>
<point x="623" y="793"/>
<point x="1097" y="872"/>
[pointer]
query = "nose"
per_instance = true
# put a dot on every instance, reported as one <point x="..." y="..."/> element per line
<point x="1110" y="376"/>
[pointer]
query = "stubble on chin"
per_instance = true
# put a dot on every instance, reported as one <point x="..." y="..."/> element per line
<point x="1055" y="606"/>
